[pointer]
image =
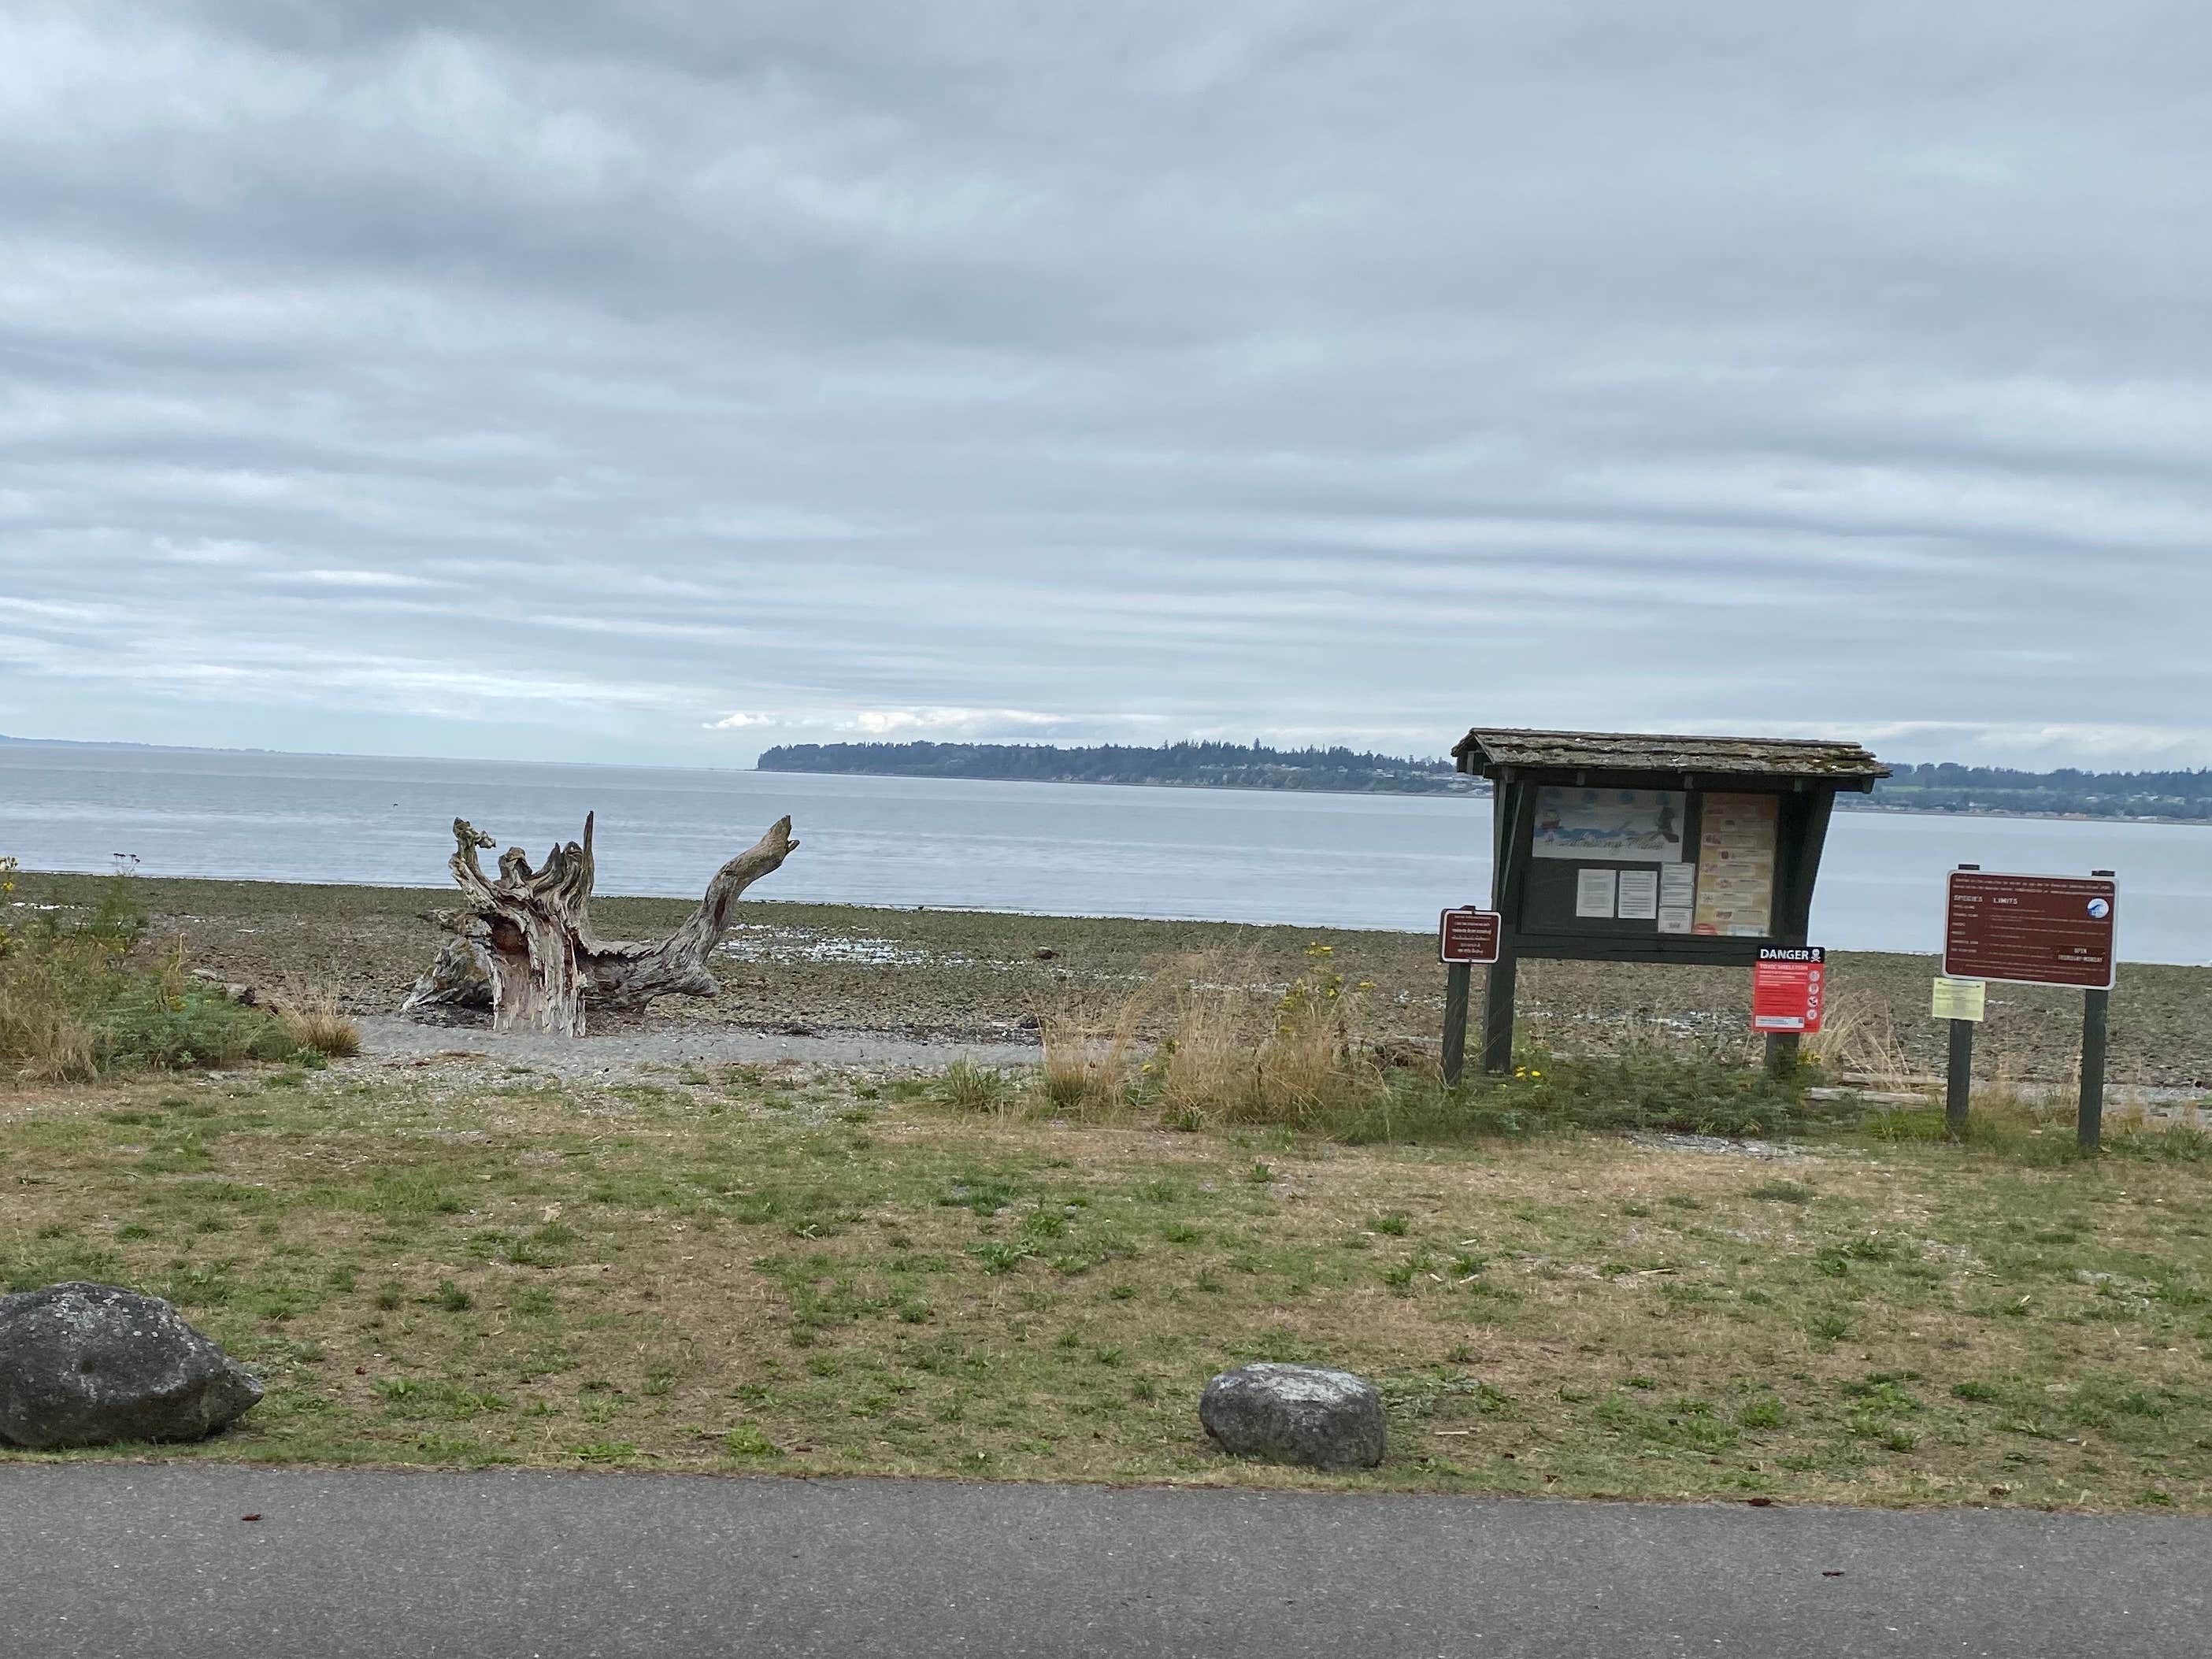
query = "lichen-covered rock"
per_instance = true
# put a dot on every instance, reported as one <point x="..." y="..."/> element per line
<point x="1308" y="1415"/>
<point x="85" y="1364"/>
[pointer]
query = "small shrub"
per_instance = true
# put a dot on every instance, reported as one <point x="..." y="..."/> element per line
<point x="967" y="1087"/>
<point x="1764" y="1414"/>
<point x="75" y="1001"/>
<point x="168" y="1021"/>
<point x="998" y="1257"/>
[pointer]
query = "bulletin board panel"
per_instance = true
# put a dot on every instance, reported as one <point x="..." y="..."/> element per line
<point x="1612" y="871"/>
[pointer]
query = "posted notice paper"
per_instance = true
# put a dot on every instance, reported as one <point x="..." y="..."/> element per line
<point x="1595" y="892"/>
<point x="1639" y="896"/>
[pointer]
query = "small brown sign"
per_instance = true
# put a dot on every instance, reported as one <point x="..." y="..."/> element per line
<point x="2032" y="930"/>
<point x="1468" y="935"/>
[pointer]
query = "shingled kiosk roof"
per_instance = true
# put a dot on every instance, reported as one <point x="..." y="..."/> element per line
<point x="1487" y="753"/>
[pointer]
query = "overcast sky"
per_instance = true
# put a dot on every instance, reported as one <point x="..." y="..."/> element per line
<point x="659" y="381"/>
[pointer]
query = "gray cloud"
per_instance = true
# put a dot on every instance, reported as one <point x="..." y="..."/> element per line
<point x="658" y="380"/>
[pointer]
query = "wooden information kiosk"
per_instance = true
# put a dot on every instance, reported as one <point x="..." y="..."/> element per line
<point x="1611" y="847"/>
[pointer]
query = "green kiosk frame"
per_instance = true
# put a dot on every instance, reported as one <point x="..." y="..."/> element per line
<point x="1612" y="847"/>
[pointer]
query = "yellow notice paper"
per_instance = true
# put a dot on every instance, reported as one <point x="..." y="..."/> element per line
<point x="1959" y="999"/>
<point x="1735" y="866"/>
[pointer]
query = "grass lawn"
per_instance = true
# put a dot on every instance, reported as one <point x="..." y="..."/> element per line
<point x="811" y="1272"/>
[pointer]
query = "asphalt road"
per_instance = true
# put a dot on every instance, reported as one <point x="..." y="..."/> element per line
<point x="118" y="1561"/>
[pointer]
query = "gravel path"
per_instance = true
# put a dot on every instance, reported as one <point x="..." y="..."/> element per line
<point x="618" y="1055"/>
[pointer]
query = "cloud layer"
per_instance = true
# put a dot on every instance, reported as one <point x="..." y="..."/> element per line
<point x="657" y="382"/>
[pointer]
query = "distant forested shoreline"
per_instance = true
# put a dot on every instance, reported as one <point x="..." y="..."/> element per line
<point x="1944" y="786"/>
<point x="1941" y="786"/>
<point x="1192" y="765"/>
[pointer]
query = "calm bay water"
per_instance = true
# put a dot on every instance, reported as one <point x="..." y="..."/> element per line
<point x="1076" y="849"/>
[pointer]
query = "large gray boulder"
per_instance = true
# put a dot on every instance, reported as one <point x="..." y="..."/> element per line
<point x="84" y="1365"/>
<point x="1308" y="1415"/>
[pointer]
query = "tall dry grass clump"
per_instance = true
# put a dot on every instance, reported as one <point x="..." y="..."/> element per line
<point x="1238" y="1054"/>
<point x="43" y="1040"/>
<point x="1859" y="1040"/>
<point x="1089" y="1054"/>
<point x="52" y="979"/>
<point x="318" y="1024"/>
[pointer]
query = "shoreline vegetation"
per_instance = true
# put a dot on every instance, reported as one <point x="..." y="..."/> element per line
<point x="990" y="977"/>
<point x="1944" y="789"/>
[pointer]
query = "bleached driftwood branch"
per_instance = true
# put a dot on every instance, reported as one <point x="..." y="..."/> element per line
<point x="523" y="947"/>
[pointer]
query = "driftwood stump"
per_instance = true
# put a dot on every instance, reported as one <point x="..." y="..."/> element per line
<point x="523" y="947"/>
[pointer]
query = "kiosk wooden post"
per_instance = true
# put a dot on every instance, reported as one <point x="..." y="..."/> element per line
<point x="1497" y="1016"/>
<point x="1457" y="979"/>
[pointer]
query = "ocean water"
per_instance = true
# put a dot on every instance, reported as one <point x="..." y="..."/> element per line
<point x="1070" y="849"/>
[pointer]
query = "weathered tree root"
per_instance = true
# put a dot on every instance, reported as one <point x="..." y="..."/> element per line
<point x="523" y="947"/>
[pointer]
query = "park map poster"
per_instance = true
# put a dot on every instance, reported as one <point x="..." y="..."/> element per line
<point x="1735" y="866"/>
<point x="1617" y="826"/>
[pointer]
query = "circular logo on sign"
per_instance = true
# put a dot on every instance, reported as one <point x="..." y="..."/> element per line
<point x="2099" y="908"/>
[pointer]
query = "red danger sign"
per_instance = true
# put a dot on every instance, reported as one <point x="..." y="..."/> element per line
<point x="1468" y="935"/>
<point x="1788" y="989"/>
<point x="2032" y="930"/>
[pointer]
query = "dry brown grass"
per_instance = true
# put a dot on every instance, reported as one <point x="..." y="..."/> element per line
<point x="317" y="1022"/>
<point x="42" y="1042"/>
<point x="1090" y="1047"/>
<point x="1235" y="1050"/>
<point x="42" y="1037"/>
<point x="1859" y="1040"/>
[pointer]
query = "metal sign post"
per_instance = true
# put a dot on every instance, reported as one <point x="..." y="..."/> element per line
<point x="2042" y="930"/>
<point x="1465" y="938"/>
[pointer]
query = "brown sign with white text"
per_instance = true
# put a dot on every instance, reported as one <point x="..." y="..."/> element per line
<point x="2032" y="930"/>
<point x="1469" y="936"/>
